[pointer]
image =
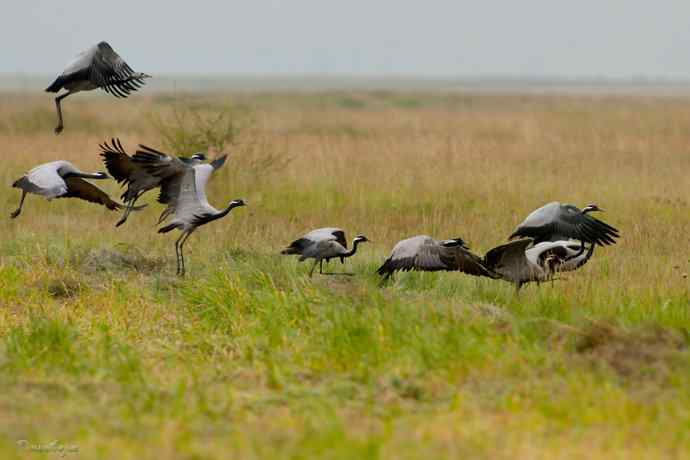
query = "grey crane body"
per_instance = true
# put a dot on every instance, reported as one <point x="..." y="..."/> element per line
<point x="132" y="174"/>
<point x="61" y="179"/>
<point x="323" y="244"/>
<point x="299" y="245"/>
<point x="338" y="233"/>
<point x="183" y="189"/>
<point x="424" y="253"/>
<point x="522" y="261"/>
<point x="557" y="222"/>
<point x="97" y="67"/>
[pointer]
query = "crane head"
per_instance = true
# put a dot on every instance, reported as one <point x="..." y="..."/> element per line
<point x="454" y="242"/>
<point x="591" y="207"/>
<point x="201" y="156"/>
<point x="360" y="239"/>
<point x="551" y="262"/>
<point x="238" y="202"/>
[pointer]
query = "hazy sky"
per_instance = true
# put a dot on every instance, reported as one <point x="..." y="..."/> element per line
<point x="608" y="38"/>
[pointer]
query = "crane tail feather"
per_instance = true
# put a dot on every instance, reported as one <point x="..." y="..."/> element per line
<point x="167" y="228"/>
<point x="55" y="86"/>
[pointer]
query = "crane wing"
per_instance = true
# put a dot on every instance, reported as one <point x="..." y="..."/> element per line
<point x="330" y="232"/>
<point x="79" y="188"/>
<point x="466" y="262"/>
<point x="111" y="73"/>
<point x="507" y="255"/>
<point x="77" y="69"/>
<point x="118" y="163"/>
<point x="555" y="221"/>
<point x="340" y="237"/>
<point x="510" y="261"/>
<point x="432" y="256"/>
<point x="168" y="168"/>
<point x="426" y="254"/>
<point x="420" y="253"/>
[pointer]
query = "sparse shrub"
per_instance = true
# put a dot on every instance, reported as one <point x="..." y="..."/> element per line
<point x="192" y="128"/>
<point x="224" y="128"/>
<point x="63" y="287"/>
<point x="111" y="260"/>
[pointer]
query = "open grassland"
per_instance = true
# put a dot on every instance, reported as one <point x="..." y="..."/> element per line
<point x="103" y="348"/>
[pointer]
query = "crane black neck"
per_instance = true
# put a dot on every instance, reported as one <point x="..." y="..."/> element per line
<point x="352" y="251"/>
<point x="84" y="175"/>
<point x="222" y="213"/>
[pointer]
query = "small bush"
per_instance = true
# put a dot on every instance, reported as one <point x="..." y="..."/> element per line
<point x="225" y="128"/>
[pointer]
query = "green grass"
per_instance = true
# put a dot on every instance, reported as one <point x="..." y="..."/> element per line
<point x="251" y="357"/>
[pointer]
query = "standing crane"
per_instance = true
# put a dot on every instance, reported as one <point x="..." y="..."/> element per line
<point x="323" y="244"/>
<point x="183" y="189"/>
<point x="297" y="246"/>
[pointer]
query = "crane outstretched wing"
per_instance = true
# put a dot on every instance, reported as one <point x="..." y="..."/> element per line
<point x="426" y="254"/>
<point x="507" y="255"/>
<point x="555" y="221"/>
<point x="111" y="73"/>
<point x="118" y="163"/>
<point x="79" y="188"/>
<point x="168" y="168"/>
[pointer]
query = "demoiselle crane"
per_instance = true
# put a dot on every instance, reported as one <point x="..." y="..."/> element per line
<point x="423" y="253"/>
<point x="323" y="245"/>
<point x="556" y="222"/>
<point x="183" y="189"/>
<point x="522" y="261"/>
<point x="132" y="174"/>
<point x="61" y="179"/>
<point x="97" y="67"/>
<point x="297" y="246"/>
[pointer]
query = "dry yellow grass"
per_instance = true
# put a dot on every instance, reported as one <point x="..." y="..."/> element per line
<point x="245" y="356"/>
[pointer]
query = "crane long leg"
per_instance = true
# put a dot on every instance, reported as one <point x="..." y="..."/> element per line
<point x="311" y="272"/>
<point x="185" y="235"/>
<point x="177" y="252"/>
<point x="21" y="203"/>
<point x="128" y="209"/>
<point x="59" y="127"/>
<point x="321" y="266"/>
